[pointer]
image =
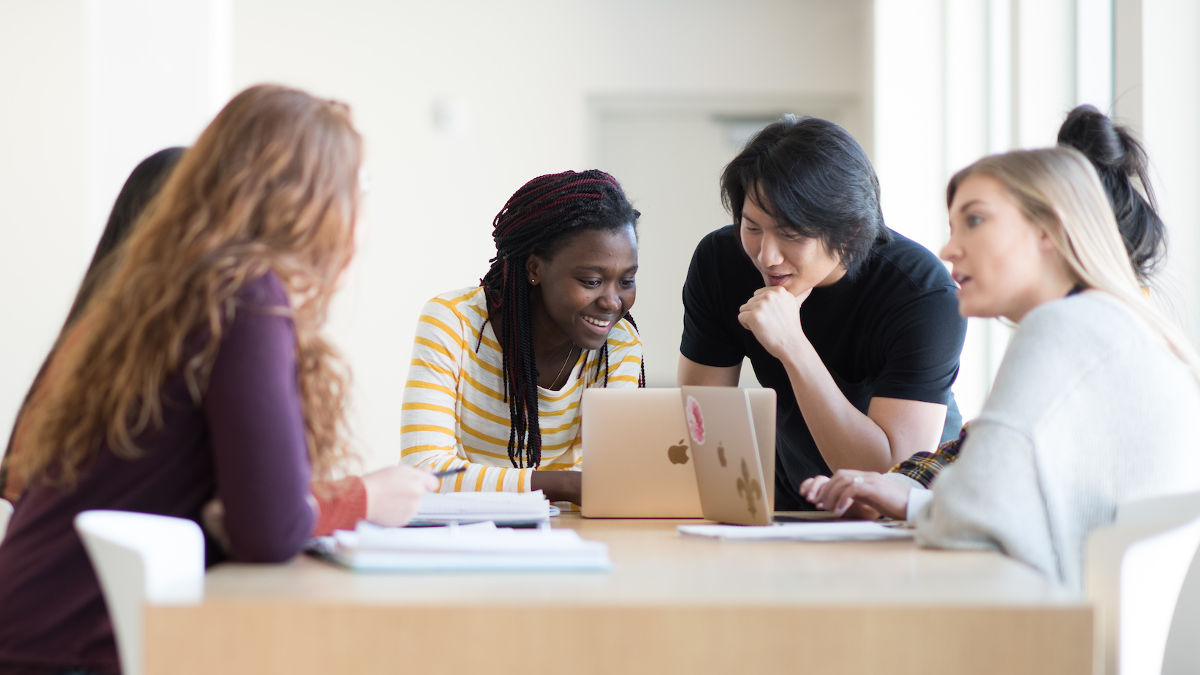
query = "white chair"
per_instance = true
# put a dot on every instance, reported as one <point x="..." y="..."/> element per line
<point x="1182" y="656"/>
<point x="1135" y="570"/>
<point x="5" y="514"/>
<point x="141" y="558"/>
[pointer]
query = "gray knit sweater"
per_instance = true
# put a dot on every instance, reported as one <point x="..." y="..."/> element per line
<point x="1089" y="409"/>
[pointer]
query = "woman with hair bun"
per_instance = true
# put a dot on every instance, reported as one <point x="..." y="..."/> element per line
<point x="386" y="496"/>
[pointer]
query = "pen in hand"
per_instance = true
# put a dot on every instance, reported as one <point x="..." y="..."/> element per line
<point x="450" y="472"/>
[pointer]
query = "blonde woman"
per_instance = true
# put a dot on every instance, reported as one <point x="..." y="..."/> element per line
<point x="196" y="371"/>
<point x="1092" y="405"/>
<point x="1124" y="171"/>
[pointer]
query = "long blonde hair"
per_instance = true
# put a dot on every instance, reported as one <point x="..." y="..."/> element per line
<point x="1058" y="190"/>
<point x="270" y="185"/>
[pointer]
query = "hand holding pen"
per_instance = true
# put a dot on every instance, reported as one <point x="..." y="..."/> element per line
<point x="394" y="493"/>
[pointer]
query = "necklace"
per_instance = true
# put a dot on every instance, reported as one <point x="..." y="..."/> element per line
<point x="570" y="350"/>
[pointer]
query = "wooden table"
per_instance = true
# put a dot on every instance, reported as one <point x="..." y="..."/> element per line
<point x="671" y="604"/>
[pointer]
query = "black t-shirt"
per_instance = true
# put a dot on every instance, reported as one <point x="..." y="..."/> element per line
<point x="892" y="331"/>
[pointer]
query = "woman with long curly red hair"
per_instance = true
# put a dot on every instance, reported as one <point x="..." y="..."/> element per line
<point x="197" y="370"/>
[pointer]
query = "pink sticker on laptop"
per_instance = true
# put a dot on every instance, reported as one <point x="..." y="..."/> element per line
<point x="695" y="420"/>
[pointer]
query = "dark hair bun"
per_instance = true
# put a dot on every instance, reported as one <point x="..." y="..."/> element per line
<point x="1119" y="159"/>
<point x="1107" y="146"/>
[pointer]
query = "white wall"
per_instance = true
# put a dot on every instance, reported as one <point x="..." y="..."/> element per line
<point x="42" y="92"/>
<point x="516" y="76"/>
<point x="1170" y="127"/>
<point x="155" y="73"/>
<point x="1168" y="100"/>
<point x="89" y="88"/>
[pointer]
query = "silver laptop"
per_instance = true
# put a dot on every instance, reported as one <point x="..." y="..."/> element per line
<point x="733" y="433"/>
<point x="637" y="460"/>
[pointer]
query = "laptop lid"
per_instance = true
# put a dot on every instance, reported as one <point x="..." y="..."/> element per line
<point x="637" y="458"/>
<point x="733" y="433"/>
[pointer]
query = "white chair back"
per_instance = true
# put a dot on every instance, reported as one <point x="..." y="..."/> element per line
<point x="5" y="513"/>
<point x="1135" y="570"/>
<point x="1182" y="657"/>
<point x="141" y="558"/>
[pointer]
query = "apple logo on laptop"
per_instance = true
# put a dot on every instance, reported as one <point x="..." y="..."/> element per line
<point x="678" y="453"/>
<point x="721" y="453"/>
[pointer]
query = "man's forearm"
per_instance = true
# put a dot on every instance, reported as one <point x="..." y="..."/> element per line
<point x="846" y="437"/>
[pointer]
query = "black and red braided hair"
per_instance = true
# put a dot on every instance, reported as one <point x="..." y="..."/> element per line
<point x="538" y="220"/>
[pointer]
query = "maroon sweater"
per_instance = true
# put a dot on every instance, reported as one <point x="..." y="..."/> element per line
<point x="245" y="445"/>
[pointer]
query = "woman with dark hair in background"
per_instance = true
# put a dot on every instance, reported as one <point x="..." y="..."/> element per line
<point x="141" y="185"/>
<point x="499" y="369"/>
<point x="386" y="496"/>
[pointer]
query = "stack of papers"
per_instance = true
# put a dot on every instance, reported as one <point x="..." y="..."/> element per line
<point x="857" y="530"/>
<point x="502" y="508"/>
<point x="481" y="546"/>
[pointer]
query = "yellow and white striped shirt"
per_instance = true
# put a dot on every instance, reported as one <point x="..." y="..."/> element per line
<point x="454" y="411"/>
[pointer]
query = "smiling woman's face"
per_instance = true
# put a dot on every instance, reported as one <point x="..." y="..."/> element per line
<point x="1000" y="258"/>
<point x="585" y="287"/>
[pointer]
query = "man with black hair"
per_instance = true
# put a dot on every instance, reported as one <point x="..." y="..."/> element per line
<point x="854" y="326"/>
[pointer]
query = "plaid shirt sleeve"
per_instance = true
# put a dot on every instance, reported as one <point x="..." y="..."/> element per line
<point x="923" y="467"/>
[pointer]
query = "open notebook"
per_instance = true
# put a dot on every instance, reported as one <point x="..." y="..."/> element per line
<point x="461" y="548"/>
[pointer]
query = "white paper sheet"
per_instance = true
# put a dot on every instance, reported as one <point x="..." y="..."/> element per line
<point x="861" y="530"/>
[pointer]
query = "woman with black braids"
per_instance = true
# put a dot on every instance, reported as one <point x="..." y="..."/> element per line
<point x="498" y="370"/>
